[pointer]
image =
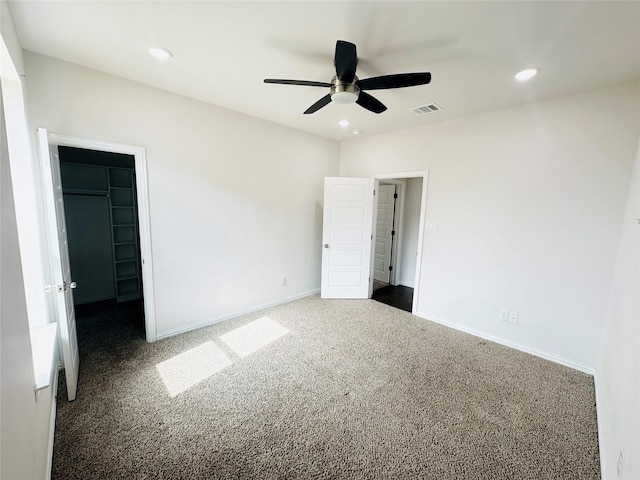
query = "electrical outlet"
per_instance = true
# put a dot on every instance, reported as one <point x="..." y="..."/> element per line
<point x="620" y="463"/>
<point x="503" y="315"/>
<point x="284" y="281"/>
<point x="513" y="317"/>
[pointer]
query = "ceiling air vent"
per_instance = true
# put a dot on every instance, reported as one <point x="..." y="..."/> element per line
<point x="428" y="108"/>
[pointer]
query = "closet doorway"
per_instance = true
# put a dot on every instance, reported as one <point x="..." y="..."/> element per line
<point x="147" y="306"/>
<point x="101" y="212"/>
<point x="104" y="234"/>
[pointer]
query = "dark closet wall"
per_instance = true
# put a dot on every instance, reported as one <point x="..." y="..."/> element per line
<point x="90" y="247"/>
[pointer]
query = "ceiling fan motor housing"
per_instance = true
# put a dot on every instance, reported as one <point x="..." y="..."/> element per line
<point x="344" y="92"/>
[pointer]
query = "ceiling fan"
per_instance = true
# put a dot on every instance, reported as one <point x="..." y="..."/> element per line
<point x="347" y="88"/>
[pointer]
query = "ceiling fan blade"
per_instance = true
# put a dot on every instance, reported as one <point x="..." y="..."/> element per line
<point x="307" y="83"/>
<point x="370" y="103"/>
<point x="319" y="104"/>
<point x="345" y="61"/>
<point x="394" y="81"/>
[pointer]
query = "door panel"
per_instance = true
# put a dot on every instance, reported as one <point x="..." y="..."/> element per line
<point x="346" y="258"/>
<point x="384" y="226"/>
<point x="347" y="237"/>
<point x="59" y="258"/>
<point x="347" y="229"/>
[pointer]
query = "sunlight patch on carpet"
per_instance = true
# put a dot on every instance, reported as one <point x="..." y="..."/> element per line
<point x="251" y="337"/>
<point x="189" y="368"/>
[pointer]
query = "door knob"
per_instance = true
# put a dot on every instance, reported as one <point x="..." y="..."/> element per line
<point x="65" y="286"/>
<point x="326" y="245"/>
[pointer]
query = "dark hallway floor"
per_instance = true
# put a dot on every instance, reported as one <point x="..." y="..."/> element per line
<point x="397" y="296"/>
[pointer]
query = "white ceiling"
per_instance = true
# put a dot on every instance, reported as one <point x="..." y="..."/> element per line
<point x="224" y="50"/>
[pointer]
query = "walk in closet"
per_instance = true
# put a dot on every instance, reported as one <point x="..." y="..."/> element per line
<point x="102" y="224"/>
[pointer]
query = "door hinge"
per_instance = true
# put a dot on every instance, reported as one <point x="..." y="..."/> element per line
<point x="374" y="192"/>
<point x="393" y="232"/>
<point x="395" y="195"/>
<point x="372" y="236"/>
<point x="390" y="268"/>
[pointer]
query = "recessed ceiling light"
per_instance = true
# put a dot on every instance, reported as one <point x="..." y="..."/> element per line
<point x="357" y="132"/>
<point x="160" y="53"/>
<point x="344" y="123"/>
<point x="527" y="74"/>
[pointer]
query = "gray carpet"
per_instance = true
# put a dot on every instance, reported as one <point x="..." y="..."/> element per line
<point x="354" y="390"/>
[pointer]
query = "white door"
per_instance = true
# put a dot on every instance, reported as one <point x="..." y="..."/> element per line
<point x="59" y="255"/>
<point x="383" y="237"/>
<point x="346" y="237"/>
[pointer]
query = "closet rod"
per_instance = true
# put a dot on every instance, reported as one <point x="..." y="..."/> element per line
<point x="91" y="194"/>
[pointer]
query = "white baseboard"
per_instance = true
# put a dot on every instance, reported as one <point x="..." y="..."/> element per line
<point x="52" y="423"/>
<point x="256" y="308"/>
<point x="522" y="348"/>
<point x="601" y="409"/>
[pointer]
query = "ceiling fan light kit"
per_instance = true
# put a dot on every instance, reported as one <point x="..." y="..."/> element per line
<point x="346" y="88"/>
<point x="342" y="92"/>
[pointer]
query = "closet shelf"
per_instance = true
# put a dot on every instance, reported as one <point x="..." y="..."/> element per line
<point x="84" y="191"/>
<point x="127" y="277"/>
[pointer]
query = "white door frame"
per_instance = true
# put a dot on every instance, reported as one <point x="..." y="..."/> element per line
<point x="144" y="220"/>
<point x="424" y="174"/>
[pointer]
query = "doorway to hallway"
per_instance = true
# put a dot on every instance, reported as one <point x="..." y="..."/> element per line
<point x="396" y="240"/>
<point x="398" y="296"/>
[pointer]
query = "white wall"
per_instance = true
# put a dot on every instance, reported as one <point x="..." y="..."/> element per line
<point x="26" y="185"/>
<point x="25" y="423"/>
<point x="24" y="436"/>
<point x="10" y="36"/>
<point x="235" y="201"/>
<point x="529" y="202"/>
<point x="618" y="372"/>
